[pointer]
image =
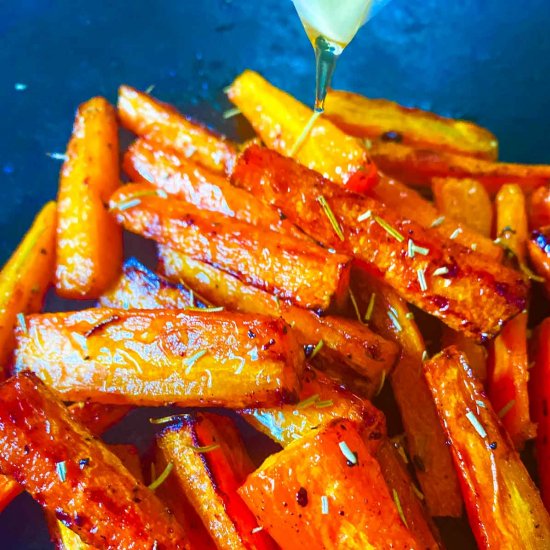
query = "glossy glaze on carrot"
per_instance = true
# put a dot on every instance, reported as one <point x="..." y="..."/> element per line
<point x="538" y="247"/>
<point x="73" y="474"/>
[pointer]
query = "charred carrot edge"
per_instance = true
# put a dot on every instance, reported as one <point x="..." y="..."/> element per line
<point x="408" y="203"/>
<point x="89" y="242"/>
<point x="321" y="401"/>
<point x="389" y="315"/>
<point x="539" y="392"/>
<point x="363" y="117"/>
<point x="511" y="216"/>
<point x="328" y="489"/>
<point x="210" y="463"/>
<point x="503" y="504"/>
<point x="105" y="355"/>
<point x="420" y="166"/>
<point x="298" y="270"/>
<point x="25" y="278"/>
<point x="73" y="475"/>
<point x="466" y="201"/>
<point x="345" y="343"/>
<point x="398" y="479"/>
<point x="538" y="247"/>
<point x="508" y="380"/>
<point x="475" y="353"/>
<point x="161" y="123"/>
<point x="279" y="119"/>
<point x="417" y="264"/>
<point x="538" y="207"/>
<point x="173" y="173"/>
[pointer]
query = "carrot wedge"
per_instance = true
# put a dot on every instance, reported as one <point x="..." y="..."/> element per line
<point x="475" y="353"/>
<point x="345" y="343"/>
<point x="321" y="401"/>
<point x="156" y="357"/>
<point x="210" y="463"/>
<point x="328" y="489"/>
<point x="419" y="166"/>
<point x="181" y="177"/>
<point x="538" y="207"/>
<point x="539" y="391"/>
<point x="89" y="242"/>
<point x="363" y="117"/>
<point x="297" y="270"/>
<point x="512" y="226"/>
<point x="466" y="291"/>
<point x="163" y="124"/>
<point x="279" y="119"/>
<point x="74" y="475"/>
<point x="25" y="278"/>
<point x="503" y="504"/>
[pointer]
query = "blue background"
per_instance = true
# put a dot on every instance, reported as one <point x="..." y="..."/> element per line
<point x="485" y="60"/>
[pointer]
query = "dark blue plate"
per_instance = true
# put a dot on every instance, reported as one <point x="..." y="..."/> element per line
<point x="486" y="61"/>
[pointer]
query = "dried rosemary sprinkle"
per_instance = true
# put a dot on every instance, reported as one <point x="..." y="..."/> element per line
<point x="256" y="529"/>
<point x="389" y="229"/>
<point x="364" y="216"/>
<point x="57" y="156"/>
<point x="476" y="424"/>
<point x="355" y="305"/>
<point x="21" y="321"/>
<point x="317" y="349"/>
<point x="230" y="113"/>
<point x="206" y="309"/>
<point x="395" y="321"/>
<point x="190" y="361"/>
<point x="308" y="401"/>
<point x="370" y="307"/>
<point x="422" y="280"/>
<point x="438" y="221"/>
<point x="382" y="382"/>
<point x="346" y="451"/>
<point x="506" y="409"/>
<point x="61" y="469"/>
<point x="324" y="404"/>
<point x="204" y="449"/>
<point x="455" y="233"/>
<point x="324" y="505"/>
<point x="166" y="419"/>
<point x="441" y="271"/>
<point x="162" y="478"/>
<point x="417" y="491"/>
<point x="331" y="217"/>
<point x="150" y="88"/>
<point x="399" y="507"/>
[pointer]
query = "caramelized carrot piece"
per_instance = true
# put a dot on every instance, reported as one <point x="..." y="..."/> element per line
<point x="481" y="295"/>
<point x="398" y="479"/>
<point x="466" y="201"/>
<point x="143" y="357"/>
<point x="279" y="120"/>
<point x="321" y="401"/>
<point x="508" y="378"/>
<point x="9" y="489"/>
<point x="503" y="504"/>
<point x="539" y="391"/>
<point x="475" y="353"/>
<point x="89" y="242"/>
<point x="420" y="166"/>
<point x="74" y="475"/>
<point x="539" y="253"/>
<point x="326" y="490"/>
<point x="178" y="176"/>
<point x="538" y="207"/>
<point x="363" y="117"/>
<point x="210" y="463"/>
<point x="163" y="124"/>
<point x="25" y="278"/>
<point x="346" y="343"/>
<point x="408" y="203"/>
<point x="512" y="230"/>
<point x="297" y="270"/>
<point x="390" y="316"/>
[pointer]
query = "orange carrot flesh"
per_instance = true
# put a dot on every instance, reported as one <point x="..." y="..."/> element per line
<point x="503" y="504"/>
<point x="163" y="124"/>
<point x="388" y="121"/>
<point x="313" y="494"/>
<point x="73" y="475"/>
<point x="475" y="353"/>
<point x="142" y="357"/>
<point x="25" y="278"/>
<point x="538" y="208"/>
<point x="297" y="270"/>
<point x="89" y="242"/>
<point x="512" y="227"/>
<point x="472" y="294"/>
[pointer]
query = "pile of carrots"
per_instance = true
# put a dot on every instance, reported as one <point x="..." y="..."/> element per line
<point x="289" y="291"/>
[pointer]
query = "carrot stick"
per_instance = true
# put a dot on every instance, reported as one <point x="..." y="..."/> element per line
<point x="512" y="230"/>
<point x="538" y="207"/>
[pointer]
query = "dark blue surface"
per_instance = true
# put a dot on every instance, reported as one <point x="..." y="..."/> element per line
<point x="488" y="61"/>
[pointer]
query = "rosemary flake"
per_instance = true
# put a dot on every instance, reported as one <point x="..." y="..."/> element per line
<point x="389" y="229"/>
<point x="422" y="280"/>
<point x="399" y="507"/>
<point x="61" y="469"/>
<point x="317" y="349"/>
<point x="331" y="217"/>
<point x="230" y="113"/>
<point x="162" y="478"/>
<point x="476" y="424"/>
<point x="370" y="307"/>
<point x="506" y="409"/>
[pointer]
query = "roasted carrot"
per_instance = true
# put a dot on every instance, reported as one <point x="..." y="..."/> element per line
<point x="503" y="504"/>
<point x="508" y="378"/>
<point x="181" y="177"/>
<point x="539" y="392"/>
<point x="326" y="490"/>
<point x="210" y="463"/>
<point x="73" y="474"/>
<point x="420" y="166"/>
<point x="475" y="353"/>
<point x="345" y="343"/>
<point x="321" y="401"/>
<point x="285" y="266"/>
<point x="140" y="288"/>
<point x="538" y="207"/>
<point x="145" y="357"/>
<point x="279" y="120"/>
<point x="25" y="278"/>
<point x="161" y="123"/>
<point x="539" y="253"/>
<point x="389" y="315"/>
<point x="466" y="291"/>
<point x="465" y="201"/>
<point x="89" y="242"/>
<point x="363" y="117"/>
<point x="511" y="226"/>
<point x="408" y="203"/>
<point x="9" y="489"/>
<point x="400" y="483"/>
